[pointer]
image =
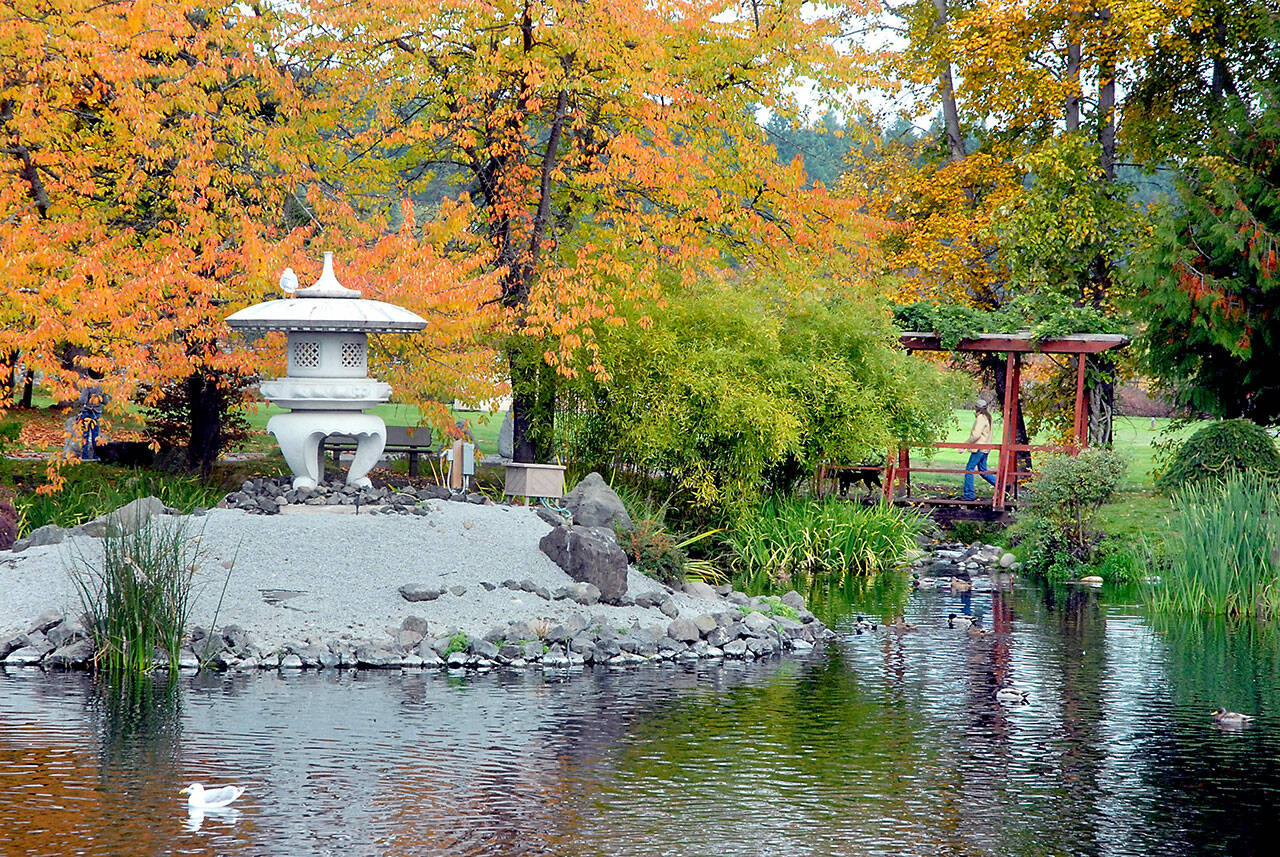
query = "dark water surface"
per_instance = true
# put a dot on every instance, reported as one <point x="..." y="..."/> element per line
<point x="883" y="744"/>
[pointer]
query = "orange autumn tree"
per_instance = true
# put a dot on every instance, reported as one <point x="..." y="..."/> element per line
<point x="147" y="143"/>
<point x="159" y="167"/>
<point x="604" y="148"/>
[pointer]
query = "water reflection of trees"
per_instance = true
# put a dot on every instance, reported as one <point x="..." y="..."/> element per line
<point x="1221" y="786"/>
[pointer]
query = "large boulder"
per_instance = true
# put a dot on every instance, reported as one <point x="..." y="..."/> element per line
<point x="595" y="504"/>
<point x="128" y="519"/>
<point x="507" y="436"/>
<point x="589" y="555"/>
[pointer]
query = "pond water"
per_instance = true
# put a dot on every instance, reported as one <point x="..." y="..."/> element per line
<point x="880" y="744"/>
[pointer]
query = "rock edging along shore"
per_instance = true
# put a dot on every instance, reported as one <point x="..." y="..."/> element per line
<point x="748" y="628"/>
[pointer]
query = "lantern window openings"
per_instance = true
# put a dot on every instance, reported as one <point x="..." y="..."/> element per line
<point x="306" y="353"/>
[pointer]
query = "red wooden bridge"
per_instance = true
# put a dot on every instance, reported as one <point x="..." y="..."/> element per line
<point x="896" y="482"/>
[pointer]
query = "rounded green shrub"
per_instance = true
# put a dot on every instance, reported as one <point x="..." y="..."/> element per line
<point x="1219" y="450"/>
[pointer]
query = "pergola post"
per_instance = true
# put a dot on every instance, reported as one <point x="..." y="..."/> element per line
<point x="1081" y="424"/>
<point x="1007" y="466"/>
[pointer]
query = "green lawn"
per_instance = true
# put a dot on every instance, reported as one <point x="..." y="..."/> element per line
<point x="1133" y="437"/>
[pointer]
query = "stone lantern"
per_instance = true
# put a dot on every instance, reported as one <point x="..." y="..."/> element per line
<point x="327" y="386"/>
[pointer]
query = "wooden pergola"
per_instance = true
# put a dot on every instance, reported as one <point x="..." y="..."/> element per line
<point x="896" y="482"/>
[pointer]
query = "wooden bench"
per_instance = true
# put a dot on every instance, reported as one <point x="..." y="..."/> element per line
<point x="414" y="441"/>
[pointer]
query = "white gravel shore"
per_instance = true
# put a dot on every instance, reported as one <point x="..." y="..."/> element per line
<point x="318" y="576"/>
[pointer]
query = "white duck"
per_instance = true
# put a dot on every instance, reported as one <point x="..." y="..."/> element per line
<point x="212" y="798"/>
<point x="1010" y="695"/>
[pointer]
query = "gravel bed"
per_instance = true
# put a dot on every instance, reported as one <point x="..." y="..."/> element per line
<point x="320" y="586"/>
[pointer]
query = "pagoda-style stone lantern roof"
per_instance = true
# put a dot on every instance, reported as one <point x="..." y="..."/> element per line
<point x="327" y="386"/>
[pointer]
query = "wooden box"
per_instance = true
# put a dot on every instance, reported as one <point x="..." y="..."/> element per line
<point x="535" y="480"/>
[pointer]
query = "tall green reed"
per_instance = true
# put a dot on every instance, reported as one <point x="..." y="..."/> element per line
<point x="796" y="541"/>
<point x="1224" y="550"/>
<point x="137" y="599"/>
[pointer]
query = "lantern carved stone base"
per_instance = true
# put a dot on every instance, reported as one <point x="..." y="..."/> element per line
<point x="299" y="434"/>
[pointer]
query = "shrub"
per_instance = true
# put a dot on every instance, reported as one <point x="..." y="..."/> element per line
<point x="1056" y="520"/>
<point x="136" y="601"/>
<point x="730" y="393"/>
<point x="1219" y="450"/>
<point x="793" y="542"/>
<point x="653" y="550"/>
<point x="1224" y="550"/>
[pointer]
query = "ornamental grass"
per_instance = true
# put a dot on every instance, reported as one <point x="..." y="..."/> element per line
<point x="803" y="542"/>
<point x="1223" y="550"/>
<point x="137" y="599"/>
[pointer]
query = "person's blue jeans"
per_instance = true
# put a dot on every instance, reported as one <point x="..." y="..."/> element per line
<point x="89" y="437"/>
<point x="977" y="461"/>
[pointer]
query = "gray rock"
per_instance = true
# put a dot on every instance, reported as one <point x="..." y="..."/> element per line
<point x="418" y="592"/>
<point x="46" y="620"/>
<point x="683" y="630"/>
<point x="558" y="634"/>
<point x="1007" y="560"/>
<point x="650" y="599"/>
<point x="589" y="555"/>
<point x="506" y="436"/>
<point x="458" y="590"/>
<point x="483" y="648"/>
<point x="49" y="534"/>
<point x="793" y="600"/>
<point x="455" y="660"/>
<point x="698" y="589"/>
<point x="706" y="623"/>
<point x="735" y="649"/>
<point x="291" y="662"/>
<point x="25" y="657"/>
<point x="373" y="657"/>
<point x="509" y="652"/>
<point x="669" y="609"/>
<point x="758" y="624"/>
<point x="551" y="517"/>
<point x="583" y="593"/>
<point x="129" y="518"/>
<point x="407" y="640"/>
<point x="718" y="637"/>
<point x="533" y="650"/>
<point x="75" y="655"/>
<point x="414" y="623"/>
<point x="65" y="632"/>
<point x="595" y="504"/>
<point x="806" y="617"/>
<point x="739" y="598"/>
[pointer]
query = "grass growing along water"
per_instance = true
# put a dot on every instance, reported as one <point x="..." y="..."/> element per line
<point x="1223" y="550"/>
<point x="136" y="601"/>
<point x="803" y="543"/>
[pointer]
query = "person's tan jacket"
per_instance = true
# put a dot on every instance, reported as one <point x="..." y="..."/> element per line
<point x="981" y="430"/>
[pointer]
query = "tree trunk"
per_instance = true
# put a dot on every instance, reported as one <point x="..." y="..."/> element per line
<point x="28" y="388"/>
<point x="947" y="93"/>
<point x="205" y="407"/>
<point x="1072" y="106"/>
<point x="1101" y="398"/>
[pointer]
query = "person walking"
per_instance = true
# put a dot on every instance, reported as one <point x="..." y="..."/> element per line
<point x="92" y="401"/>
<point x="980" y="434"/>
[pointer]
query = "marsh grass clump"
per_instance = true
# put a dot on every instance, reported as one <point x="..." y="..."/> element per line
<point x="137" y="599"/>
<point x="1223" y="553"/>
<point x="795" y="541"/>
